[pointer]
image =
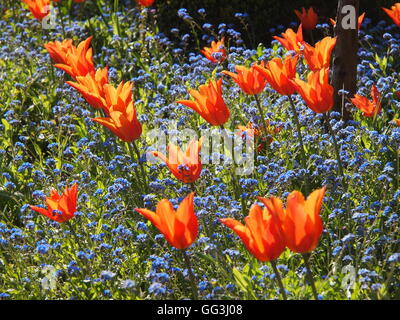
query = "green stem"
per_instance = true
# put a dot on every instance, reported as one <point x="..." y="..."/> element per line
<point x="135" y="148"/>
<point x="234" y="179"/>
<point x="260" y="110"/>
<point x="300" y="137"/>
<point x="102" y="14"/>
<point x="279" y="279"/>
<point x="397" y="183"/>
<point x="195" y="295"/>
<point x="336" y="146"/>
<point x="306" y="257"/>
<point x="193" y="187"/>
<point x="61" y="12"/>
<point x="116" y="20"/>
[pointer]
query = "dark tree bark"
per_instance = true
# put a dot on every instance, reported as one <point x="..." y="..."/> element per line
<point x="345" y="60"/>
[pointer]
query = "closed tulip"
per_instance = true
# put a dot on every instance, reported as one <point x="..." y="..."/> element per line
<point x="209" y="103"/>
<point x="308" y="18"/>
<point x="216" y="53"/>
<point x="39" y="8"/>
<point x="185" y="166"/>
<point x="91" y="87"/>
<point x="58" y="50"/>
<point x="78" y="60"/>
<point x="279" y="74"/>
<point x="301" y="222"/>
<point x="319" y="57"/>
<point x="122" y="120"/>
<point x="145" y="3"/>
<point x="262" y="233"/>
<point x="250" y="80"/>
<point x="370" y="108"/>
<point x="316" y="92"/>
<point x="179" y="227"/>
<point x="60" y="208"/>
<point x="291" y="40"/>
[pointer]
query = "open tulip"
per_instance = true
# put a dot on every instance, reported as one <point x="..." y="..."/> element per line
<point x="262" y="234"/>
<point x="370" y="108"/>
<point x="250" y="80"/>
<point x="308" y="18"/>
<point x="316" y="92"/>
<point x="216" y="53"/>
<point x="185" y="166"/>
<point x="122" y="120"/>
<point x="39" y="8"/>
<point x="291" y="40"/>
<point x="60" y="208"/>
<point x="301" y="222"/>
<point x="78" y="60"/>
<point x="397" y="122"/>
<point x="319" y="57"/>
<point x="394" y="13"/>
<point x="279" y="74"/>
<point x="91" y="87"/>
<point x="209" y="103"/>
<point x="179" y="227"/>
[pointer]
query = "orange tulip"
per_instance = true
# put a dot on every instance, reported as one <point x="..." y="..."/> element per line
<point x="209" y="103"/>
<point x="250" y="80"/>
<point x="62" y="207"/>
<point x="394" y="13"/>
<point x="58" y="50"/>
<point x="317" y="92"/>
<point x="78" y="60"/>
<point x="301" y="222"/>
<point x="397" y="122"/>
<point x="319" y="57"/>
<point x="122" y="120"/>
<point x="360" y="21"/>
<point x="216" y="53"/>
<point x="179" y="227"/>
<point x="279" y="74"/>
<point x="185" y="166"/>
<point x="92" y="88"/>
<point x="370" y="107"/>
<point x="39" y="8"/>
<point x="145" y="3"/>
<point x="76" y="1"/>
<point x="308" y="18"/>
<point x="262" y="233"/>
<point x="291" y="40"/>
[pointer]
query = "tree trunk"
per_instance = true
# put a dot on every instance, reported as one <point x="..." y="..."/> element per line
<point x="345" y="60"/>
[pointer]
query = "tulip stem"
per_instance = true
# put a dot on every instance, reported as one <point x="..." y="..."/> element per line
<point x="300" y="137"/>
<point x="261" y="112"/>
<point x="195" y="295"/>
<point x="131" y="153"/>
<point x="279" y="279"/>
<point x="74" y="235"/>
<point x="115" y="17"/>
<point x="102" y="14"/>
<point x="335" y="144"/>
<point x="306" y="257"/>
<point x="135" y="148"/>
